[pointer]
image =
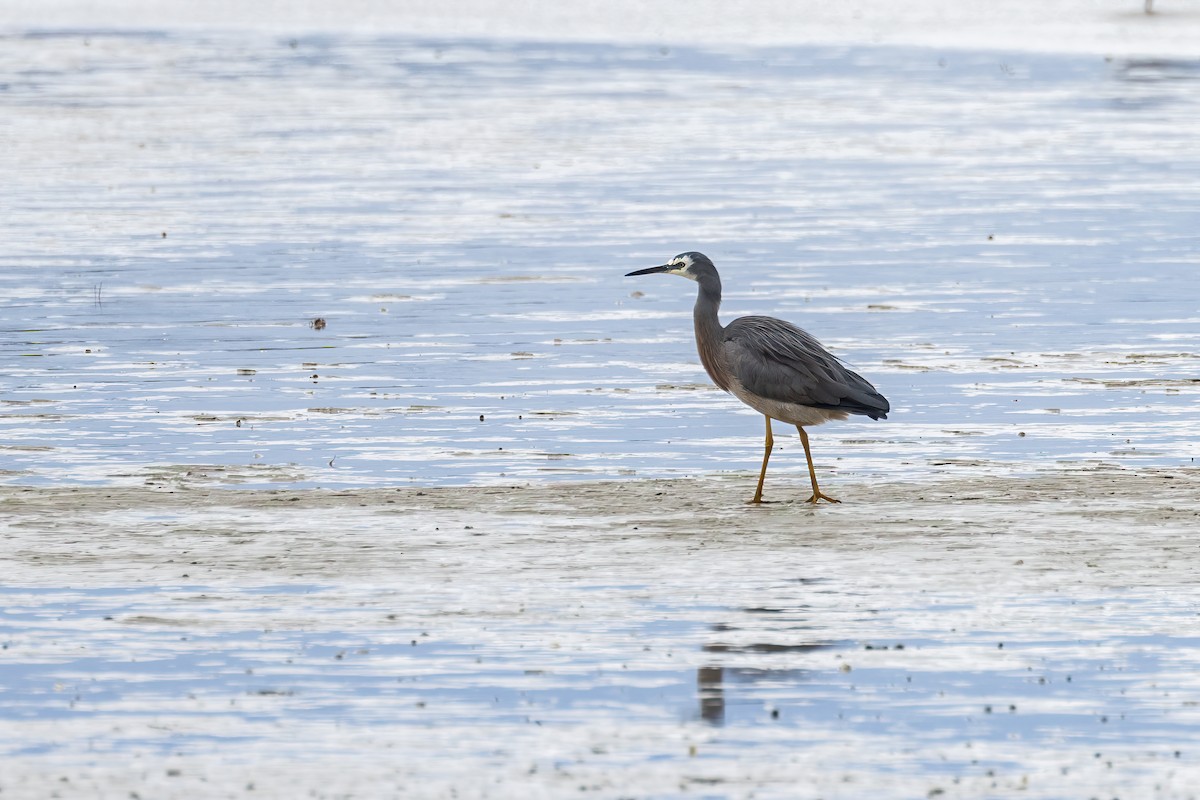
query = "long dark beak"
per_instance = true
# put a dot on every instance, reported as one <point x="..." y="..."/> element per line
<point x="650" y="270"/>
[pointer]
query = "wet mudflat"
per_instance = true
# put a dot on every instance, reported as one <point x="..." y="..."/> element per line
<point x="985" y="637"/>
<point x="340" y="461"/>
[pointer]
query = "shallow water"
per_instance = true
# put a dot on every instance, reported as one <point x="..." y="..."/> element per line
<point x="1003" y="243"/>
<point x="991" y="638"/>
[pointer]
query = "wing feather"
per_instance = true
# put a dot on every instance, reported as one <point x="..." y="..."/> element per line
<point x="776" y="360"/>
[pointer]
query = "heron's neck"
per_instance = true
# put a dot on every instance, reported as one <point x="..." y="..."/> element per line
<point x="710" y="334"/>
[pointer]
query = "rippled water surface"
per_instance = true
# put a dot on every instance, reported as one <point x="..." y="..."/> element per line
<point x="1004" y="243"/>
<point x="363" y="263"/>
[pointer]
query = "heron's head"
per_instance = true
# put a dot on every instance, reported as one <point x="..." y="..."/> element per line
<point x="693" y="266"/>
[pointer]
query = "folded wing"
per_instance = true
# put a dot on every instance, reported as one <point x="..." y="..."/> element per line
<point x="776" y="360"/>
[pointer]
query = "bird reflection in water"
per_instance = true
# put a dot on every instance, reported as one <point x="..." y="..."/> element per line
<point x="711" y="680"/>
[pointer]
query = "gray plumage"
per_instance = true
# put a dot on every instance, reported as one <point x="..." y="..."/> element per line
<point x="775" y="359"/>
<point x="771" y="365"/>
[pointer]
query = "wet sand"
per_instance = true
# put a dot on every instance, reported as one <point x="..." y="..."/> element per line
<point x="139" y="529"/>
<point x="135" y="529"/>
<point x="974" y="637"/>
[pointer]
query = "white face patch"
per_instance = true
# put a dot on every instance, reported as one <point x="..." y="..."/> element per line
<point x="682" y="266"/>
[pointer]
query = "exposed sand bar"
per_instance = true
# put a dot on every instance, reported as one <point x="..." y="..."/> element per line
<point x="1128" y="523"/>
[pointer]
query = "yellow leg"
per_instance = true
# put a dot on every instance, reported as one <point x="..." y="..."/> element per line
<point x="812" y="473"/>
<point x="770" y="444"/>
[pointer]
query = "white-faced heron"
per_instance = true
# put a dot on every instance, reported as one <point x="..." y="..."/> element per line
<point x="772" y="366"/>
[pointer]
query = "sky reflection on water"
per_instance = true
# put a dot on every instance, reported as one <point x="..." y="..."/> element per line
<point x="1003" y="243"/>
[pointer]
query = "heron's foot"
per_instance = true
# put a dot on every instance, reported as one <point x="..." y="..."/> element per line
<point x="819" y="496"/>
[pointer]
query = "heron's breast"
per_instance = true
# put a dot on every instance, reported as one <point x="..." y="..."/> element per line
<point x="713" y="359"/>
